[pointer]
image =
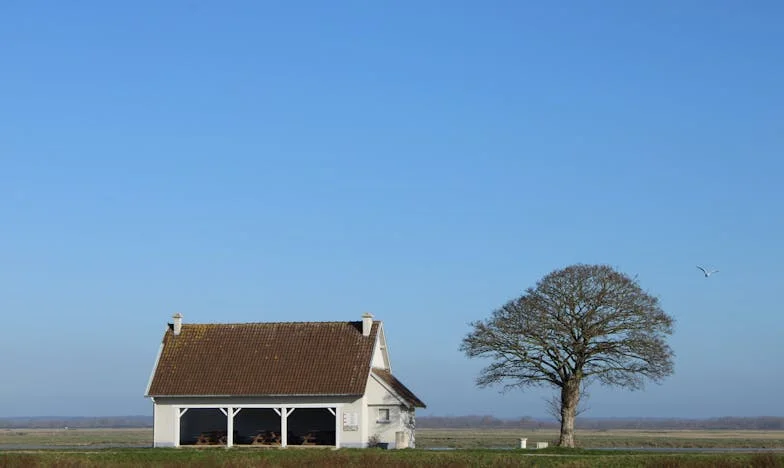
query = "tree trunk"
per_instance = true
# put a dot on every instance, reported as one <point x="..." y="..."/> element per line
<point x="570" y="398"/>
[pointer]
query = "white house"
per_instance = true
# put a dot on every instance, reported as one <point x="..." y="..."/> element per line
<point x="279" y="384"/>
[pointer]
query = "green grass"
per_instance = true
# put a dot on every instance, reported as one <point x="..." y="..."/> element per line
<point x="490" y="438"/>
<point x="75" y="437"/>
<point x="429" y="438"/>
<point x="474" y="456"/>
<point x="171" y="458"/>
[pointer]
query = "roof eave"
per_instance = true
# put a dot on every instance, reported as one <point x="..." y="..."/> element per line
<point x="266" y="395"/>
<point x="412" y="403"/>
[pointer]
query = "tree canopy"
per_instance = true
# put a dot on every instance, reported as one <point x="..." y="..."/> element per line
<point x="579" y="324"/>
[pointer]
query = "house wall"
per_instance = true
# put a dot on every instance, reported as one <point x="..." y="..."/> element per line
<point x="400" y="417"/>
<point x="408" y="419"/>
<point x="351" y="436"/>
<point x="385" y="431"/>
<point x="163" y="425"/>
<point x="165" y="412"/>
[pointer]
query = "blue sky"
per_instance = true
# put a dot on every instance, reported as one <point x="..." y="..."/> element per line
<point x="425" y="161"/>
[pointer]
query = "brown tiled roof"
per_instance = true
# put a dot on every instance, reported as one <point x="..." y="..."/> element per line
<point x="255" y="359"/>
<point x="398" y="387"/>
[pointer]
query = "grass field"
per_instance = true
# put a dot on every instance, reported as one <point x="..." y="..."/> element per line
<point x="81" y="448"/>
<point x="375" y="458"/>
<point x="435" y="438"/>
<point x="75" y="437"/>
<point x="492" y="438"/>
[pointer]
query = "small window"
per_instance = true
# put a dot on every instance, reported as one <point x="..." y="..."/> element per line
<point x="383" y="415"/>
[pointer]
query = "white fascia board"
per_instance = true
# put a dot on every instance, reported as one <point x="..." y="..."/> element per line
<point x="381" y="343"/>
<point x="154" y="368"/>
<point x="259" y="405"/>
<point x="386" y="350"/>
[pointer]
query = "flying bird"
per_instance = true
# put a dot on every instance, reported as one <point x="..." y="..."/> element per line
<point x="707" y="272"/>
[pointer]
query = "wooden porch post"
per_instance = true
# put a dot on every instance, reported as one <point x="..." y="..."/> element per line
<point x="229" y="427"/>
<point x="336" y="412"/>
<point x="284" y="426"/>
<point x="226" y="413"/>
<point x="230" y="412"/>
<point x="177" y="422"/>
<point x="230" y="436"/>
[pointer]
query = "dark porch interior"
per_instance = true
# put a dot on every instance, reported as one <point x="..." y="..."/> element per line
<point x="257" y="426"/>
<point x="203" y="426"/>
<point x="311" y="426"/>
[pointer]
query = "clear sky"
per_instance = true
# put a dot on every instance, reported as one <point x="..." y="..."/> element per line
<point x="422" y="160"/>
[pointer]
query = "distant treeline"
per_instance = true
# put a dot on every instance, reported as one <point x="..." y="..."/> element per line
<point x="49" y="422"/>
<point x="768" y="423"/>
<point x="764" y="423"/>
<point x="472" y="422"/>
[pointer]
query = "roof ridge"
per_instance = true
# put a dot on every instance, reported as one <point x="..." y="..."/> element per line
<point x="292" y="322"/>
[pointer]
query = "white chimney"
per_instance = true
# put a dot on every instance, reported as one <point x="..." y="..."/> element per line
<point x="367" y="323"/>
<point x="177" y="323"/>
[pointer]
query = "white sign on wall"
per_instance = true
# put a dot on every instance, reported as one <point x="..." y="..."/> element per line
<point x="350" y="422"/>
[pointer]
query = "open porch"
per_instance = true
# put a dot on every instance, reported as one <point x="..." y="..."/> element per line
<point x="258" y="425"/>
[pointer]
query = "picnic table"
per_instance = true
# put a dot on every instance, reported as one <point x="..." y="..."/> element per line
<point x="212" y="438"/>
<point x="309" y="439"/>
<point x="266" y="438"/>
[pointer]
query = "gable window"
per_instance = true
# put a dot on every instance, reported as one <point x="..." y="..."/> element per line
<point x="383" y="415"/>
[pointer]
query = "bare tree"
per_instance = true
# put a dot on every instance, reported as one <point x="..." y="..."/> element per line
<point x="579" y="324"/>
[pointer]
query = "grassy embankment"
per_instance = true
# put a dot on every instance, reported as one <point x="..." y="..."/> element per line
<point x="491" y="438"/>
<point x="200" y="458"/>
<point x="429" y="438"/>
<point x="217" y="457"/>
